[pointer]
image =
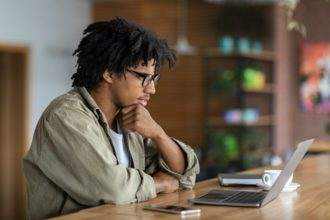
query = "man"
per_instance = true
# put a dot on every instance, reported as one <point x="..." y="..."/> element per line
<point x="98" y="143"/>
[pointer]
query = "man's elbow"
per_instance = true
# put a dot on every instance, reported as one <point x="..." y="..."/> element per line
<point x="188" y="182"/>
<point x="120" y="199"/>
<point x="95" y="199"/>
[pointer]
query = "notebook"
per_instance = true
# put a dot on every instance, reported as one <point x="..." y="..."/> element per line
<point x="239" y="179"/>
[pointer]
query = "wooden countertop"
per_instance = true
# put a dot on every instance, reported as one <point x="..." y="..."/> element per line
<point x="310" y="201"/>
<point x="320" y="147"/>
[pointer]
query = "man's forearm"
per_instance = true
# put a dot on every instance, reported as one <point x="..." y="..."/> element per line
<point x="170" y="152"/>
<point x="136" y="118"/>
<point x="159" y="184"/>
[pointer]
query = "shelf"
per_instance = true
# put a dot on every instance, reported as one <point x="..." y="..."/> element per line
<point x="268" y="89"/>
<point x="263" y="121"/>
<point x="267" y="56"/>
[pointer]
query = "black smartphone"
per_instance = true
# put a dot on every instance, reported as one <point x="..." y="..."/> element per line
<point x="173" y="209"/>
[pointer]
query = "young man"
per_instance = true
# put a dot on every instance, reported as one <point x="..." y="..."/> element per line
<point x="98" y="143"/>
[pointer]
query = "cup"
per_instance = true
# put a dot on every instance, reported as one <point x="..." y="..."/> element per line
<point x="243" y="45"/>
<point x="226" y="44"/>
<point x="256" y="47"/>
<point x="269" y="177"/>
<point x="250" y="115"/>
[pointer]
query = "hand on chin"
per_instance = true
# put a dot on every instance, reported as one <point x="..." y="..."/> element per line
<point x="136" y="118"/>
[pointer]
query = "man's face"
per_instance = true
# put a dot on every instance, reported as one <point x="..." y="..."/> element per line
<point x="133" y="87"/>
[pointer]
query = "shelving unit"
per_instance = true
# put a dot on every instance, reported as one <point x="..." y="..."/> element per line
<point x="254" y="139"/>
<point x="265" y="120"/>
<point x="267" y="56"/>
<point x="268" y="89"/>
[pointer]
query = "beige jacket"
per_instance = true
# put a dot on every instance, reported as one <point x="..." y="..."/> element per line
<point x="72" y="164"/>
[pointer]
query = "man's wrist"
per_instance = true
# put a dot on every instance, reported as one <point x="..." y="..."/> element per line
<point x="159" y="135"/>
<point x="159" y="185"/>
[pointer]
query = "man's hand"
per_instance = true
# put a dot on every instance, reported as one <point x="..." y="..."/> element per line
<point x="137" y="118"/>
<point x="165" y="183"/>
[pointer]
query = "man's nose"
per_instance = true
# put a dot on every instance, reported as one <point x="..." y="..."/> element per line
<point x="151" y="88"/>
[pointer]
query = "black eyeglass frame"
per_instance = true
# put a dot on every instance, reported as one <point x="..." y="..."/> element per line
<point x="146" y="78"/>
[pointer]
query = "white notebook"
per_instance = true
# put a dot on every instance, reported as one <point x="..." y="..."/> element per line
<point x="226" y="179"/>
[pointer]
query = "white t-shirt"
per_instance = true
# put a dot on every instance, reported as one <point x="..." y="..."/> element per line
<point x="119" y="145"/>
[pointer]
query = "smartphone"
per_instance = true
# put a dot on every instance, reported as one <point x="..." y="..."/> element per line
<point x="173" y="209"/>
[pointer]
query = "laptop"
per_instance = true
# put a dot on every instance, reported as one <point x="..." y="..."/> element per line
<point x="255" y="198"/>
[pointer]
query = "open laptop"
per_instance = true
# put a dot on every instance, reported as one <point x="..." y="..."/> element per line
<point x="256" y="198"/>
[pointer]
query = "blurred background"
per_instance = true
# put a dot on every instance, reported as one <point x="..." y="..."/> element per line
<point x="252" y="77"/>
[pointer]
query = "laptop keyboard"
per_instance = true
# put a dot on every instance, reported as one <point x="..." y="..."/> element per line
<point x="246" y="197"/>
<point x="215" y="197"/>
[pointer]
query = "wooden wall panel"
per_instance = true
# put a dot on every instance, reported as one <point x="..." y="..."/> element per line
<point x="13" y="75"/>
<point x="177" y="106"/>
<point x="105" y="10"/>
<point x="161" y="17"/>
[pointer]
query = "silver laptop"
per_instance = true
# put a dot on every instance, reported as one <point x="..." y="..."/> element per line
<point x="256" y="198"/>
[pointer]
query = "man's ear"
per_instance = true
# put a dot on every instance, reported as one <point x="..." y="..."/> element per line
<point x="107" y="76"/>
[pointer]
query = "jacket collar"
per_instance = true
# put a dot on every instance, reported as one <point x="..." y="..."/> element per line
<point x="92" y="105"/>
<point x="89" y="100"/>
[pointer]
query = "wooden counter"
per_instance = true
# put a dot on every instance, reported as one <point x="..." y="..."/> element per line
<point x="320" y="147"/>
<point x="310" y="201"/>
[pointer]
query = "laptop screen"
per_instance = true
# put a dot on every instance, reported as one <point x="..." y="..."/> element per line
<point x="288" y="170"/>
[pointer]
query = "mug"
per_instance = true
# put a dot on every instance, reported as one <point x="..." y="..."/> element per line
<point x="243" y="45"/>
<point x="269" y="177"/>
<point x="226" y="44"/>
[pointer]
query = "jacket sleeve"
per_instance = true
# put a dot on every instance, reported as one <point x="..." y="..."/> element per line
<point x="155" y="162"/>
<point x="74" y="157"/>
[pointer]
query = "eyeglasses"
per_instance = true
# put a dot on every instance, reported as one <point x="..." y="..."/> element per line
<point x="146" y="78"/>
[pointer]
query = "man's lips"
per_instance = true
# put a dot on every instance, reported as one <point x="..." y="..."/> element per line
<point x="143" y="101"/>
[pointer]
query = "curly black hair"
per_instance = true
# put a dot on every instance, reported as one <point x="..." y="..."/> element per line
<point x="115" y="46"/>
